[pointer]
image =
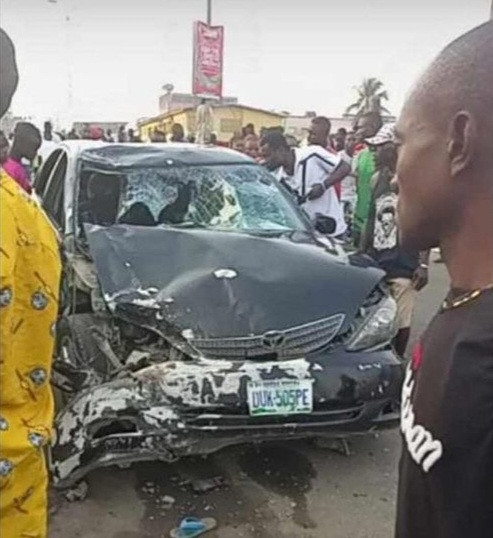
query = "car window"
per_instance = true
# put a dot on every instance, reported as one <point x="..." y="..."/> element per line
<point x="42" y="178"/>
<point x="53" y="198"/>
<point x="229" y="197"/>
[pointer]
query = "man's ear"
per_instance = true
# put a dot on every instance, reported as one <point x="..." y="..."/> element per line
<point x="462" y="142"/>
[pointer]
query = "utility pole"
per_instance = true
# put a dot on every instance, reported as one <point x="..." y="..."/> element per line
<point x="209" y="12"/>
<point x="65" y="11"/>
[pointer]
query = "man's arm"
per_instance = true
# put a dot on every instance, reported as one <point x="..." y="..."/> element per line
<point x="335" y="175"/>
<point x="342" y="170"/>
<point x="420" y="277"/>
<point x="366" y="236"/>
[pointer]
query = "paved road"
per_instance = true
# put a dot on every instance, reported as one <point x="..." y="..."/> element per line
<point x="293" y="490"/>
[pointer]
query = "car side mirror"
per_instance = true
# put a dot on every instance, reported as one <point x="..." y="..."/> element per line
<point x="325" y="225"/>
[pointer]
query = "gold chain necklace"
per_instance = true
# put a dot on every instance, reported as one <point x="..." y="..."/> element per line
<point x="464" y="299"/>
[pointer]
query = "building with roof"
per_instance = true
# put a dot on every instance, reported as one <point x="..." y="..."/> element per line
<point x="171" y="101"/>
<point x="228" y="120"/>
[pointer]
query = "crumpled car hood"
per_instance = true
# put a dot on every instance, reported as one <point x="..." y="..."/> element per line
<point x="222" y="284"/>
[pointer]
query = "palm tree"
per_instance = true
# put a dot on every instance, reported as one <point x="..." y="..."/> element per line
<point x="371" y="93"/>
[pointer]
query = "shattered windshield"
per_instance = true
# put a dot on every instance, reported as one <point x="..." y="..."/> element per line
<point x="229" y="197"/>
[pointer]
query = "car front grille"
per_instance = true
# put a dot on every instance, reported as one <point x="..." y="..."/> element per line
<point x="292" y="342"/>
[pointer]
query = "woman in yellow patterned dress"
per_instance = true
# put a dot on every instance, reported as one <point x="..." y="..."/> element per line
<point x="29" y="282"/>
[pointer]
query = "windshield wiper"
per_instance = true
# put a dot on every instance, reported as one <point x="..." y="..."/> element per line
<point x="271" y="233"/>
<point x="183" y="225"/>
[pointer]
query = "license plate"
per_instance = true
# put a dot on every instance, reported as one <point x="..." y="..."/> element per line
<point x="282" y="397"/>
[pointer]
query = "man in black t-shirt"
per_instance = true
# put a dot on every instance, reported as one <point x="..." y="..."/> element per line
<point x="445" y="177"/>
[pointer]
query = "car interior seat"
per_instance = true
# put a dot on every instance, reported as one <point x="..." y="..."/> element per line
<point x="102" y="201"/>
<point x="138" y="214"/>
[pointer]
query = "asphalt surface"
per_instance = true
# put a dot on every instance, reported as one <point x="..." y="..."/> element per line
<point x="289" y="490"/>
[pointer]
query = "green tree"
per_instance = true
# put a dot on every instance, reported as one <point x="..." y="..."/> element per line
<point x="371" y="94"/>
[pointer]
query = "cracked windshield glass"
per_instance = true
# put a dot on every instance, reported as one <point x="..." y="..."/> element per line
<point x="242" y="198"/>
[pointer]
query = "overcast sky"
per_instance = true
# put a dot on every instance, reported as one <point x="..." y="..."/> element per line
<point x="293" y="55"/>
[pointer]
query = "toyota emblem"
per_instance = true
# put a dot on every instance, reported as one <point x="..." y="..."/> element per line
<point x="273" y="340"/>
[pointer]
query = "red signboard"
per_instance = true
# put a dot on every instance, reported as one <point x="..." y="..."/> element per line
<point x="208" y="60"/>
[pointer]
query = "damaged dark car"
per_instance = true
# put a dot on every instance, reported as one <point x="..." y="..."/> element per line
<point x="202" y="309"/>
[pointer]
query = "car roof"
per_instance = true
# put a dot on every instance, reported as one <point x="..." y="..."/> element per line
<point x="129" y="155"/>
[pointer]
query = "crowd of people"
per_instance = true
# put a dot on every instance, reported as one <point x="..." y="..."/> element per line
<point x="394" y="192"/>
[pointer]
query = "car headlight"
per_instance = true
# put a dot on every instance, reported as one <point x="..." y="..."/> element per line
<point x="377" y="328"/>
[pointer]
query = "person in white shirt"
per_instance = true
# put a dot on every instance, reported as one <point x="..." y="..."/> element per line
<point x="49" y="135"/>
<point x="204" y="119"/>
<point x="311" y="172"/>
<point x="50" y="142"/>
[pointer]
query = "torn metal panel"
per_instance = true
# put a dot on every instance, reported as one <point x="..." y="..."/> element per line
<point x="110" y="423"/>
<point x="84" y="272"/>
<point x="180" y="408"/>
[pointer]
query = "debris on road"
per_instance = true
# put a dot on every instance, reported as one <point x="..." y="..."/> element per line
<point x="149" y="487"/>
<point x="167" y="502"/>
<point x="78" y="492"/>
<point x="204" y="485"/>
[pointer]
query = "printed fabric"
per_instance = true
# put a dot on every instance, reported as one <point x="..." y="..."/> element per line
<point x="383" y="231"/>
<point x="29" y="286"/>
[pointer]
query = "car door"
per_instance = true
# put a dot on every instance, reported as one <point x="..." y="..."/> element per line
<point x="53" y="193"/>
<point x="43" y="177"/>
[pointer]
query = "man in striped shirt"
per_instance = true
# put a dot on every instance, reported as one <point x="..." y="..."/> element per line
<point x="311" y="172"/>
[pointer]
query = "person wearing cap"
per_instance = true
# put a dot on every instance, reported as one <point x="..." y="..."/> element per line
<point x="407" y="272"/>
<point x="30" y="271"/>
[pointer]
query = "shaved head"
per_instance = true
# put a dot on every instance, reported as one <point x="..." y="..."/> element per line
<point x="445" y="139"/>
<point x="461" y="78"/>
<point x="319" y="131"/>
<point x="27" y="140"/>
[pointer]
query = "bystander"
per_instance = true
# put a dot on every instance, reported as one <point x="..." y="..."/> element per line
<point x="445" y="176"/>
<point x="406" y="271"/>
<point x="29" y="286"/>
<point x="310" y="172"/>
<point x="364" y="167"/>
<point x="27" y="141"/>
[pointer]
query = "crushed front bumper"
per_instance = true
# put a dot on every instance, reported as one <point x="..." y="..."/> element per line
<point x="175" y="409"/>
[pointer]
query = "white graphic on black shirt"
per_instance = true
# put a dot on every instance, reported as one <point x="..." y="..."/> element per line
<point x="424" y="450"/>
<point x="385" y="233"/>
